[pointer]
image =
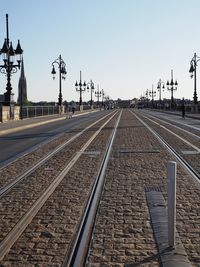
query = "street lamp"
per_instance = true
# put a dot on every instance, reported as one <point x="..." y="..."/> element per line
<point x="160" y="87"/>
<point x="9" y="67"/>
<point x="172" y="86"/>
<point x="102" y="97"/>
<point x="152" y="93"/>
<point x="82" y="88"/>
<point x="193" y="67"/>
<point x="62" y="72"/>
<point x="90" y="86"/>
<point x="147" y="97"/>
<point x="98" y="95"/>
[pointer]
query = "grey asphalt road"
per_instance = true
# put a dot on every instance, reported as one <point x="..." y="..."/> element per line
<point x="16" y="144"/>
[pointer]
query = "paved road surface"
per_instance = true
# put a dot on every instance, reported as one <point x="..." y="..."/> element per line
<point x="19" y="142"/>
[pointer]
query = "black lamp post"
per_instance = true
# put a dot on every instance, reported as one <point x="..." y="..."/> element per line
<point x="9" y="67"/>
<point x="152" y="93"/>
<point x="81" y="87"/>
<point x="90" y="86"/>
<point x="147" y="97"/>
<point x="98" y="95"/>
<point x="62" y="72"/>
<point x="172" y="86"/>
<point x="160" y="87"/>
<point x="193" y="67"/>
<point x="102" y="94"/>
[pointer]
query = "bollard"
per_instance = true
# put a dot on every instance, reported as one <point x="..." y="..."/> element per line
<point x="171" y="190"/>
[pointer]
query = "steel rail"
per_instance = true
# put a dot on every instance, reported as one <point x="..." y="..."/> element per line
<point x="11" y="160"/>
<point x="181" y="160"/>
<point x="4" y="190"/>
<point x="80" y="248"/>
<point x="4" y="164"/>
<point x="175" y="126"/>
<point x="172" y="120"/>
<point x="176" y="135"/>
<point x="19" y="228"/>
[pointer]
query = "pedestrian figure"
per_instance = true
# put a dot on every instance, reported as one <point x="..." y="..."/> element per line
<point x="69" y="113"/>
<point x="183" y="108"/>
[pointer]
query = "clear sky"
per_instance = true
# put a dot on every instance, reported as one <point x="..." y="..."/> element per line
<point x="125" y="46"/>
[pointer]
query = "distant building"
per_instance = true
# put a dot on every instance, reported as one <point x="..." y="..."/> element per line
<point x="22" y="87"/>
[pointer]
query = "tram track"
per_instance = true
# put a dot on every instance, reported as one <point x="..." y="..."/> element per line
<point x="118" y="231"/>
<point x="189" y="130"/>
<point x="122" y="236"/>
<point x="19" y="163"/>
<point x="79" y="252"/>
<point x="46" y="156"/>
<point x="190" y="168"/>
<point x="187" y="141"/>
<point x="25" y="220"/>
<point x="24" y="193"/>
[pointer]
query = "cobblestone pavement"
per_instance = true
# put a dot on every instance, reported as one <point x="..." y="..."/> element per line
<point x="50" y="235"/>
<point x="188" y="146"/>
<point x="123" y="234"/>
<point x="22" y="196"/>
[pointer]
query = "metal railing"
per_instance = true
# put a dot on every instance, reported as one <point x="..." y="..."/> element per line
<point x="36" y="111"/>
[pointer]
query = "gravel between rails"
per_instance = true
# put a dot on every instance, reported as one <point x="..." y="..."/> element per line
<point x="123" y="234"/>
<point x="50" y="235"/>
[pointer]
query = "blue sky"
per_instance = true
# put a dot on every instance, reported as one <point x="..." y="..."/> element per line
<point x="125" y="46"/>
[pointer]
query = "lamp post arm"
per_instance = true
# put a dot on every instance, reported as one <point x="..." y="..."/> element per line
<point x="195" y="60"/>
<point x="59" y="61"/>
<point x="3" y="70"/>
<point x="56" y="62"/>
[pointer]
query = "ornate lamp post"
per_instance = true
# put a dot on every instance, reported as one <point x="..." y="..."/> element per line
<point x="152" y="94"/>
<point x="98" y="95"/>
<point x="82" y="88"/>
<point x="172" y="86"/>
<point x="147" y="97"/>
<point x="160" y="87"/>
<point x="102" y="94"/>
<point x="9" y="66"/>
<point x="193" y="67"/>
<point x="90" y="86"/>
<point x="62" y="72"/>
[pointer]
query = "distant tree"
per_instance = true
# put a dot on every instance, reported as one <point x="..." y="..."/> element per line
<point x="27" y="103"/>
